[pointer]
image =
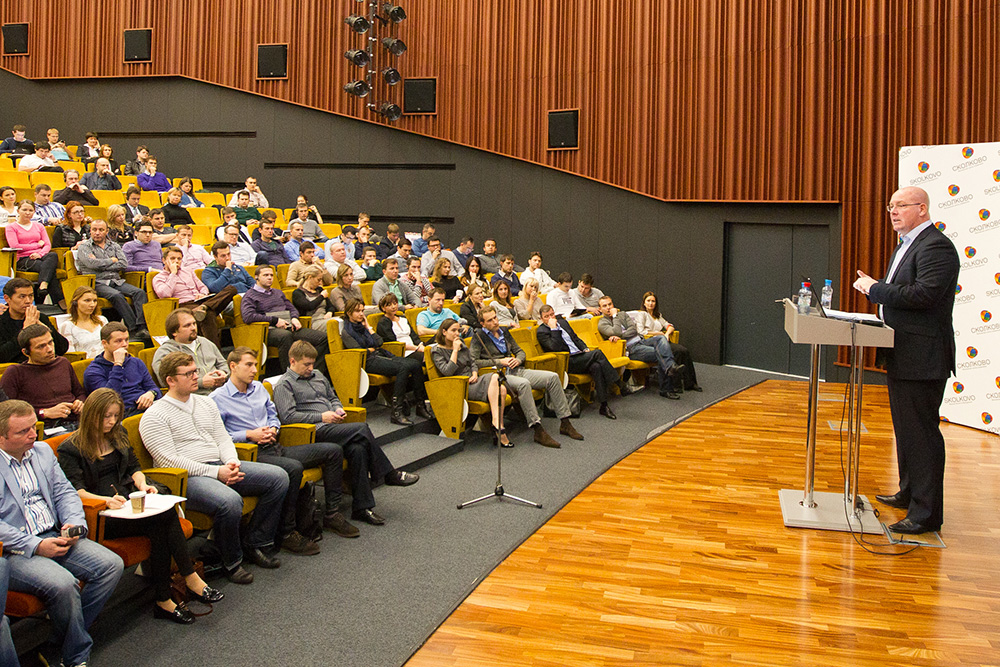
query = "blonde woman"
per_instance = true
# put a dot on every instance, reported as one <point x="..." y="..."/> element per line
<point x="441" y="277"/>
<point x="118" y="231"/>
<point x="503" y="305"/>
<point x="83" y="327"/>
<point x="309" y="298"/>
<point x="529" y="304"/>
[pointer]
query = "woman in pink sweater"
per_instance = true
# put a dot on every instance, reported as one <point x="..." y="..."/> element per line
<point x="34" y="253"/>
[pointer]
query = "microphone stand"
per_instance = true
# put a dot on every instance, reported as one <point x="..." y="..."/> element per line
<point x="498" y="491"/>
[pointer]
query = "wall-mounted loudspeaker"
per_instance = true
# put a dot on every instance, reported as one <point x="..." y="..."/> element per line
<point x="15" y="39"/>
<point x="419" y="96"/>
<point x="564" y="129"/>
<point x="138" y="46"/>
<point x="272" y="61"/>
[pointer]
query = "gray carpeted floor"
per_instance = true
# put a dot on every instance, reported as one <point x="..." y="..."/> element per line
<point x="372" y="601"/>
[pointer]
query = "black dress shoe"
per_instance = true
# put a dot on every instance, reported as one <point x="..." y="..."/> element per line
<point x="368" y="516"/>
<point x="208" y="596"/>
<point x="180" y="614"/>
<point x="672" y="395"/>
<point x="606" y="411"/>
<point x="401" y="478"/>
<point x="239" y="575"/>
<point x="261" y="559"/>
<point x="897" y="501"/>
<point x="626" y="390"/>
<point x="423" y="411"/>
<point x="694" y="387"/>
<point x="908" y="527"/>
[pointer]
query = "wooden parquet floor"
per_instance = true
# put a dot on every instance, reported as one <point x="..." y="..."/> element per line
<point x="678" y="556"/>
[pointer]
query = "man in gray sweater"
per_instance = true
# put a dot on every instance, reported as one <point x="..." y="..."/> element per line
<point x="617" y="325"/>
<point x="182" y="328"/>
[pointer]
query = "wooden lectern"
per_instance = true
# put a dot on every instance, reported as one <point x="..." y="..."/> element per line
<point x="832" y="511"/>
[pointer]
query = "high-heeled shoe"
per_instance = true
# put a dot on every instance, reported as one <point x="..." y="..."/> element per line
<point x="497" y="433"/>
<point x="180" y="614"/>
<point x="209" y="595"/>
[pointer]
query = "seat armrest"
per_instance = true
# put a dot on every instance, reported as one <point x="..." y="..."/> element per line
<point x="395" y="347"/>
<point x="292" y="435"/>
<point x="612" y="348"/>
<point x="543" y="362"/>
<point x="355" y="415"/>
<point x="136" y="279"/>
<point x="174" y="479"/>
<point x="91" y="510"/>
<point x="246" y="451"/>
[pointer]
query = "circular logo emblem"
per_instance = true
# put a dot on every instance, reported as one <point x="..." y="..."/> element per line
<point x="972" y="352"/>
<point x="940" y="226"/>
<point x="970" y="252"/>
<point x="967" y="152"/>
<point x="987" y="418"/>
<point x="958" y="387"/>
<point x="958" y="289"/>
<point x="984" y="214"/>
<point x="986" y="315"/>
<point x="923" y="167"/>
<point x="953" y="190"/>
<point x="996" y="175"/>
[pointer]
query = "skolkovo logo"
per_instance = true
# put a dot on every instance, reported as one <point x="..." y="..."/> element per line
<point x="972" y="352"/>
<point x="970" y="251"/>
<point x="986" y="316"/>
<point x="987" y="418"/>
<point x="998" y="381"/>
<point x="953" y="190"/>
<point x="923" y="167"/>
<point x="967" y="152"/>
<point x="996" y="278"/>
<point x="940" y="226"/>
<point x="958" y="289"/>
<point x="958" y="387"/>
<point x="996" y="175"/>
<point x="984" y="214"/>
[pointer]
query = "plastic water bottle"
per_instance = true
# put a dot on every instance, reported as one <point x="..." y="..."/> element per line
<point x="805" y="299"/>
<point x="826" y="298"/>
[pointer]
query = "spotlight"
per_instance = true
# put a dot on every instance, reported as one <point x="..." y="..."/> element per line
<point x="391" y="76"/>
<point x="358" y="57"/>
<point x="358" y="88"/>
<point x="359" y="24"/>
<point x="390" y="111"/>
<point x="395" y="46"/>
<point x="394" y="12"/>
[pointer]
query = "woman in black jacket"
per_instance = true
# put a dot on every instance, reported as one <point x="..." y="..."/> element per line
<point x="472" y="305"/>
<point x="311" y="299"/>
<point x="173" y="212"/>
<point x="74" y="228"/>
<point x="394" y="326"/>
<point x="100" y="464"/>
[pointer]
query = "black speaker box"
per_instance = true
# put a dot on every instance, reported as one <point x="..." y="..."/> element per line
<point x="15" y="39"/>
<point x="564" y="129"/>
<point x="272" y="61"/>
<point x="420" y="96"/>
<point x="138" y="46"/>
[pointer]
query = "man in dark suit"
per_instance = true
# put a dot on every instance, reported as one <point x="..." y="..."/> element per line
<point x="134" y="211"/>
<point x="916" y="299"/>
<point x="556" y="335"/>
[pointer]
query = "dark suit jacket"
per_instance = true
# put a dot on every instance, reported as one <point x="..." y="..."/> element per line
<point x="144" y="210"/>
<point x="552" y="341"/>
<point x="468" y="311"/>
<point x="918" y="304"/>
<point x="485" y="350"/>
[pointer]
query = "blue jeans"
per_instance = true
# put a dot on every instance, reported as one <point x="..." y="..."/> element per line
<point x="655" y="350"/>
<point x="224" y="503"/>
<point x="54" y="580"/>
<point x="8" y="654"/>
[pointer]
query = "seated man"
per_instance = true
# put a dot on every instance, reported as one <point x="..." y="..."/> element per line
<point x="40" y="161"/>
<point x="21" y="313"/>
<point x="556" y="335"/>
<point x="587" y="295"/>
<point x="223" y="272"/>
<point x="183" y="284"/>
<point x="240" y="247"/>
<point x="143" y="254"/>
<point x="390" y="283"/>
<point x="535" y="270"/>
<point x="163" y="233"/>
<point x="47" y="212"/>
<point x="490" y="259"/>
<point x="370" y="264"/>
<point x="561" y="297"/>
<point x="434" y="253"/>
<point x="255" y="196"/>
<point x="266" y="216"/>
<point x="617" y="325"/>
<point x="39" y="503"/>
<point x="182" y="332"/>
<point x="465" y="250"/>
<point x="262" y="303"/>
<point x="404" y="248"/>
<point x="106" y="260"/>
<point x="250" y="416"/>
<point x="75" y="191"/>
<point x="184" y="430"/>
<point x="494" y="346"/>
<point x="57" y="146"/>
<point x="245" y="213"/>
<point x="415" y="280"/>
<point x="102" y="177"/>
<point x="8" y="653"/>
<point x="336" y="254"/>
<point x="506" y="273"/>
<point x="134" y="211"/>
<point x="307" y="258"/>
<point x="138" y="165"/>
<point x="310" y="227"/>
<point x="269" y="250"/>
<point x="17" y="143"/>
<point x="421" y="245"/>
<point x="45" y="381"/>
<point x="151" y="179"/>
<point x="390" y="242"/>
<point x="304" y="396"/>
<point x="118" y="370"/>
<point x="429" y="321"/>
<point x="296" y="239"/>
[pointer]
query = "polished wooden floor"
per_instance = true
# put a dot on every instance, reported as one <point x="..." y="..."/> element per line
<point x="678" y="556"/>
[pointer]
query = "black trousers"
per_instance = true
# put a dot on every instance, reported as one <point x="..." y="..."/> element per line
<point x="409" y="372"/>
<point x="682" y="356"/>
<point x="166" y="541"/>
<point x="283" y="339"/>
<point x="294" y="461"/>
<point x="595" y="363"/>
<point x="366" y="462"/>
<point x="46" y="270"/>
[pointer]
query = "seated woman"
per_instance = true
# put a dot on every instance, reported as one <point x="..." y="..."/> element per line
<point x="74" y="228"/>
<point x="195" y="256"/>
<point x="529" y="303"/>
<point x="441" y="277"/>
<point x="501" y="302"/>
<point x="100" y="464"/>
<point x="118" y="231"/>
<point x="344" y="289"/>
<point x="311" y="299"/>
<point x="34" y="252"/>
<point x="173" y="212"/>
<point x="474" y="276"/>
<point x="649" y="322"/>
<point x="472" y="305"/>
<point x="150" y="179"/>
<point x="393" y="326"/>
<point x="8" y="205"/>
<point x="188" y="200"/>
<point x="108" y="152"/>
<point x="452" y="357"/>
<point x="83" y="328"/>
<point x="408" y="370"/>
<point x="417" y="281"/>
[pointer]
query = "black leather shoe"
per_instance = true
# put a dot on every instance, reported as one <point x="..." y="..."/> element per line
<point x="401" y="478"/>
<point x="897" y="501"/>
<point x="423" y="411"/>
<point x="694" y="387"/>
<point x="239" y="575"/>
<point x="208" y="596"/>
<point x="606" y="411"/>
<point x="368" y="516"/>
<point x="261" y="559"/>
<point x="626" y="390"/>
<point x="672" y="395"/>
<point x="179" y="615"/>
<point x="908" y="527"/>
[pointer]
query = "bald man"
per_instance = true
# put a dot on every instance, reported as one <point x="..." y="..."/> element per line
<point x="916" y="299"/>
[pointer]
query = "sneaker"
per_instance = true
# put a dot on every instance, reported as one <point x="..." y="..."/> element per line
<point x="338" y="524"/>
<point x="299" y="544"/>
<point x="401" y="478"/>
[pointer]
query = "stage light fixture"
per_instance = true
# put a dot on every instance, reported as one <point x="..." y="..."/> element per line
<point x="358" y="57"/>
<point x="394" y="12"/>
<point x="358" y="24"/>
<point x="389" y="111"/>
<point x="394" y="45"/>
<point x="391" y="76"/>
<point x="358" y="88"/>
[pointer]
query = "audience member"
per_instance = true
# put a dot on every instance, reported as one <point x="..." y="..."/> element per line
<point x="240" y="249"/>
<point x="388" y="245"/>
<point x="82" y="329"/>
<point x="306" y="259"/>
<point x="474" y="276"/>
<point x="269" y="250"/>
<point x="616" y="325"/>
<point x="336" y="256"/>
<point x="40" y="161"/>
<point x="223" y="272"/>
<point x="348" y="234"/>
<point x="506" y="273"/>
<point x="465" y="251"/>
<point x="313" y="211"/>
<point x="363" y="243"/>
<point x="421" y="245"/>
<point x="391" y="283"/>
<point x="151" y="179"/>
<point x="344" y="289"/>
<point x="295" y="241"/>
<point x="173" y="213"/>
<point x="501" y="303"/>
<point x="143" y="254"/>
<point x="73" y="229"/>
<point x="47" y="212"/>
<point x="34" y="253"/>
<point x="182" y="336"/>
<point x="267" y="215"/>
<point x="8" y="205"/>
<point x="561" y="298"/>
<point x="403" y="251"/>
<point x="417" y="281"/>
<point x="649" y="322"/>
<point x="442" y="277"/>
<point x="370" y="264"/>
<point x="528" y="306"/>
<point x="138" y="165"/>
<point x="472" y="305"/>
<point x="134" y="211"/>
<point x="429" y="260"/>
<point x="491" y="260"/>
<point x="429" y="320"/>
<point x="393" y="326"/>
<point x="118" y="231"/>
<point x="89" y="150"/>
<point x="310" y="226"/>
<point x="75" y="190"/>
<point x="309" y="298"/>
<point x="183" y="284"/>
<point x="535" y="270"/>
<point x="109" y="153"/>
<point x="255" y="196"/>
<point x="117" y="369"/>
<point x="243" y="210"/>
<point x="20" y="314"/>
<point x="17" y="143"/>
<point x="102" y="178"/>
<point x="188" y="198"/>
<point x="586" y="295"/>
<point x="162" y="233"/>
<point x="56" y="145"/>
<point x="105" y="259"/>
<point x="263" y="303"/>
<point x="195" y="256"/>
<point x="45" y="381"/>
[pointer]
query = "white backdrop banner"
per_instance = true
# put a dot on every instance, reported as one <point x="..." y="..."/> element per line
<point x="963" y="181"/>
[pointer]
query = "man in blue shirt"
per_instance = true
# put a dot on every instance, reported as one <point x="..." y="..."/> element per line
<point x="420" y="244"/>
<point x="118" y="370"/>
<point x="251" y="416"/>
<point x="296" y="232"/>
<point x="223" y="271"/>
<point x="429" y="321"/>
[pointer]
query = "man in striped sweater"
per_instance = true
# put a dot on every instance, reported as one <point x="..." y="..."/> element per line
<point x="185" y="430"/>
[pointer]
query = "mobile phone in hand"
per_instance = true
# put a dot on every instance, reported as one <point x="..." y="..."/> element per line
<point x="72" y="531"/>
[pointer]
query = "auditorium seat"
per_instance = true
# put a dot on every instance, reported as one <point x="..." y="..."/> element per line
<point x="449" y="399"/>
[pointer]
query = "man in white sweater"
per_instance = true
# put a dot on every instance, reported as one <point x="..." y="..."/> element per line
<point x="185" y="430"/>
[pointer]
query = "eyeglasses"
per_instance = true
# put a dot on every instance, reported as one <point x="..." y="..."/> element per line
<point x="190" y="375"/>
<point x="889" y="207"/>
